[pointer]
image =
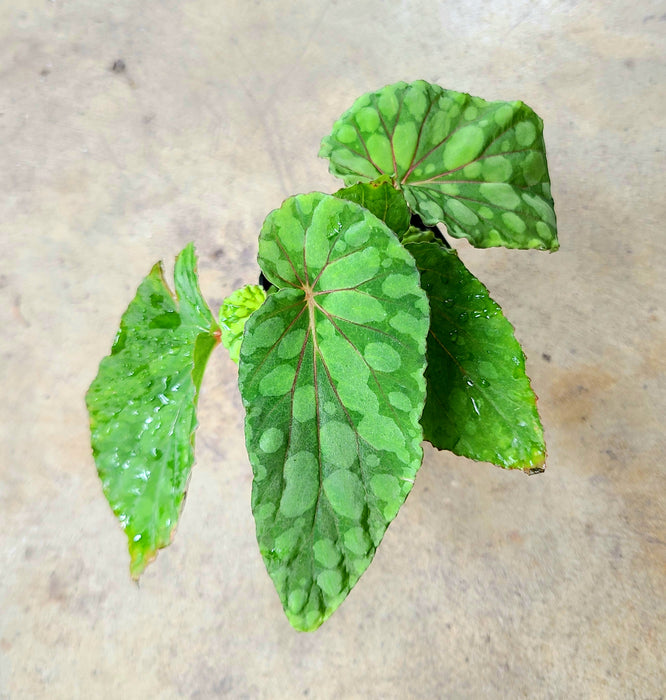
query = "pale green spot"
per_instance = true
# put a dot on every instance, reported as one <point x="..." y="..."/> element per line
<point x="391" y="509"/>
<point x="278" y="381"/>
<point x="451" y="190"/>
<point x="357" y="396"/>
<point x="326" y="553"/>
<point x="500" y="194"/>
<point x="354" y="306"/>
<point x="259" y="472"/>
<point x="303" y="404"/>
<point x="410" y="325"/>
<point x="271" y="440"/>
<point x="485" y="212"/>
<point x="350" y="271"/>
<point x="292" y="344"/>
<point x="345" y="493"/>
<point x="317" y="247"/>
<point x="534" y="167"/>
<point x="525" y="133"/>
<point x="463" y="146"/>
<point x="382" y="357"/>
<point x="380" y="147"/>
<point x="267" y="333"/>
<point x="397" y="286"/>
<point x="357" y="541"/>
<point x="297" y="600"/>
<point x="388" y="103"/>
<point x="287" y="542"/>
<point x="357" y="234"/>
<point x="265" y="511"/>
<point x="382" y="433"/>
<point x="400" y="401"/>
<point x="285" y="270"/>
<point x="269" y="250"/>
<point x="301" y="474"/>
<point x="342" y="360"/>
<point x="493" y="238"/>
<point x="415" y="101"/>
<point x="330" y="582"/>
<point x="312" y="618"/>
<point x="395" y="250"/>
<point x="472" y="171"/>
<point x="544" y="231"/>
<point x="367" y="119"/>
<point x="497" y="169"/>
<point x="461" y="212"/>
<point x="404" y="142"/>
<point x="346" y="134"/>
<point x="470" y="113"/>
<point x="356" y="163"/>
<point x="330" y="408"/>
<point x="360" y="565"/>
<point x="385" y="486"/>
<point x="541" y="207"/>
<point x="428" y="208"/>
<point x="338" y="445"/>
<point x="503" y="115"/>
<point x="513" y="222"/>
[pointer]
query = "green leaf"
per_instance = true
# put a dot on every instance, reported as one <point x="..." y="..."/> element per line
<point x="331" y="376"/>
<point x="383" y="200"/>
<point x="479" y="167"/>
<point x="142" y="406"/>
<point x="480" y="403"/>
<point x="235" y="311"/>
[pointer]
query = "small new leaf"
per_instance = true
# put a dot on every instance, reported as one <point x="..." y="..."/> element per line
<point x="480" y="403"/>
<point x="234" y="312"/>
<point x="142" y="406"/>
<point x="479" y="167"/>
<point x="383" y="200"/>
<point x="331" y="377"/>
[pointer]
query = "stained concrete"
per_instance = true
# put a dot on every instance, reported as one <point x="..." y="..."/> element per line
<point x="488" y="584"/>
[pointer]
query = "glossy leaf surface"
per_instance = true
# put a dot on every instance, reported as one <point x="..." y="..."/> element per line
<point x="479" y="167"/>
<point x="331" y="376"/>
<point x="234" y="312"/>
<point x="383" y="200"/>
<point x="480" y="403"/>
<point x="142" y="407"/>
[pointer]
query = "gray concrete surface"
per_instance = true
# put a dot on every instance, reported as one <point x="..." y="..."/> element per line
<point x="489" y="584"/>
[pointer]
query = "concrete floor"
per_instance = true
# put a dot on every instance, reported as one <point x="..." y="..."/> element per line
<point x="489" y="584"/>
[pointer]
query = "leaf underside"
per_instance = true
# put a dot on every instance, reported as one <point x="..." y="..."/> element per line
<point x="331" y="376"/>
<point x="479" y="403"/>
<point x="142" y="406"/>
<point x="478" y="167"/>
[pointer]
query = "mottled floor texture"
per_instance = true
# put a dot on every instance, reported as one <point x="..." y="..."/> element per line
<point x="488" y="584"/>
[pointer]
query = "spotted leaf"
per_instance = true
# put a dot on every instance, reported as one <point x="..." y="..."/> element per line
<point x="479" y="403"/>
<point x="331" y="377"/>
<point x="142" y="407"/>
<point x="479" y="167"/>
